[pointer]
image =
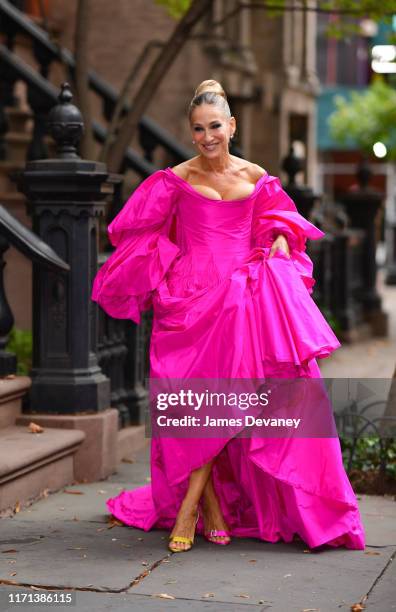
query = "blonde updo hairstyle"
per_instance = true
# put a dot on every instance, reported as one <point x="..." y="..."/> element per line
<point x="210" y="92"/>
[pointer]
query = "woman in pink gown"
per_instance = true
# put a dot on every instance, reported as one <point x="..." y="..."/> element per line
<point x="229" y="282"/>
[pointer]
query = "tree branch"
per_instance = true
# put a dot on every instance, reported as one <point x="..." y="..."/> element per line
<point x="151" y="82"/>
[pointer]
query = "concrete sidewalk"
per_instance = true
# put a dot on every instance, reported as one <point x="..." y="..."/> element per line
<point x="65" y="542"/>
<point x="372" y="358"/>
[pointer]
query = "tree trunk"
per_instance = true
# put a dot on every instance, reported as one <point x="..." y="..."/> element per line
<point x="153" y="79"/>
<point x="123" y="99"/>
<point x="84" y="9"/>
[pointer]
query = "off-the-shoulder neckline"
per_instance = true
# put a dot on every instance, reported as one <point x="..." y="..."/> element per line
<point x="191" y="189"/>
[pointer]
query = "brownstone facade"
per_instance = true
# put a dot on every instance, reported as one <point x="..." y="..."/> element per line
<point x="266" y="65"/>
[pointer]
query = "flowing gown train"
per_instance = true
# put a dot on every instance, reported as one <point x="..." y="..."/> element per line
<point x="223" y="309"/>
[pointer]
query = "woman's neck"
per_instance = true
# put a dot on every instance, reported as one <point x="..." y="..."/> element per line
<point x="216" y="165"/>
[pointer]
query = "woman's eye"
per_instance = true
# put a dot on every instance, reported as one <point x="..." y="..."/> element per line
<point x="197" y="129"/>
<point x="216" y="125"/>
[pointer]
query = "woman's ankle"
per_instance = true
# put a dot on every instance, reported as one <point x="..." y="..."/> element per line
<point x="189" y="508"/>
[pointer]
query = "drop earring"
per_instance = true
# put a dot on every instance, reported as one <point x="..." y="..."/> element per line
<point x="193" y="141"/>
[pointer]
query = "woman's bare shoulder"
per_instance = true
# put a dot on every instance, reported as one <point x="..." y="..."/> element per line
<point x="256" y="172"/>
<point x="182" y="170"/>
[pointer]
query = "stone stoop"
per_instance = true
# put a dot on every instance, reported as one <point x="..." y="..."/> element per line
<point x="31" y="463"/>
<point x="96" y="458"/>
<point x="12" y="390"/>
<point x="131" y="440"/>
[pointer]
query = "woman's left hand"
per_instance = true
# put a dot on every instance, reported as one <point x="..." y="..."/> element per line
<point x="280" y="243"/>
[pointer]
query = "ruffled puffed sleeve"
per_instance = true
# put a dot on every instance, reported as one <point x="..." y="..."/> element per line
<point x="275" y="213"/>
<point x="124" y="284"/>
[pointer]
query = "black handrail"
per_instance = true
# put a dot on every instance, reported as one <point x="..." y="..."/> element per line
<point x="28" y="243"/>
<point x="51" y="93"/>
<point x="99" y="85"/>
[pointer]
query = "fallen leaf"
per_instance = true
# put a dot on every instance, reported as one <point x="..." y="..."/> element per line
<point x="371" y="552"/>
<point x="357" y="607"/>
<point x="73" y="492"/>
<point x="307" y="551"/>
<point x="171" y="582"/>
<point x="101" y="492"/>
<point x="140" y="539"/>
<point x="208" y="595"/>
<point x="77" y="548"/>
<point x="311" y="610"/>
<point x="75" y="518"/>
<point x="34" y="587"/>
<point x="243" y="595"/>
<point x="287" y="576"/>
<point x="35" y="428"/>
<point x="17" y="507"/>
<point x="113" y="522"/>
<point x="127" y="461"/>
<point x="10" y="550"/>
<point x="13" y="574"/>
<point x="144" y="563"/>
<point x="163" y="596"/>
<point x="252" y="560"/>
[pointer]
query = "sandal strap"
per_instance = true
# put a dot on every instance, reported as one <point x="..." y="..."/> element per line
<point x="214" y="533"/>
<point x="181" y="539"/>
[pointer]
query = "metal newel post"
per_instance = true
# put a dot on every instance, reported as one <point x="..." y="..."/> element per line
<point x="363" y="206"/>
<point x="66" y="196"/>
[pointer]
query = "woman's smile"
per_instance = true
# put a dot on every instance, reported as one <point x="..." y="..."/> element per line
<point x="210" y="147"/>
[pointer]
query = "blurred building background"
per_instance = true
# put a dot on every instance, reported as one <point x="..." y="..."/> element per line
<point x="280" y="75"/>
<point x="267" y="67"/>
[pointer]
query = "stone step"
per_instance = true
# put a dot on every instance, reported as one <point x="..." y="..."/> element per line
<point x="131" y="440"/>
<point x="31" y="463"/>
<point x="12" y="390"/>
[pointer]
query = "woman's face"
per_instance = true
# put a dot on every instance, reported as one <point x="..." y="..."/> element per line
<point x="211" y="129"/>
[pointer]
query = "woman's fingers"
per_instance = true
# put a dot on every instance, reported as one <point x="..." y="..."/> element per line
<point x="278" y="246"/>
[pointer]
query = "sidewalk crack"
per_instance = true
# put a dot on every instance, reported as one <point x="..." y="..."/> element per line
<point x="376" y="581"/>
<point x="57" y="587"/>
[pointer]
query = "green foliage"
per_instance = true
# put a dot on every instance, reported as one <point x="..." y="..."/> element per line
<point x="367" y="118"/>
<point x="20" y="343"/>
<point x="358" y="8"/>
<point x="175" y="8"/>
<point x="330" y="318"/>
<point x="369" y="455"/>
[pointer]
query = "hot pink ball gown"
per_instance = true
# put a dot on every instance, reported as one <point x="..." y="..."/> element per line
<point x="223" y="309"/>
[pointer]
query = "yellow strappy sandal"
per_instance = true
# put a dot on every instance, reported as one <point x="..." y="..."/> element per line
<point x="182" y="539"/>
